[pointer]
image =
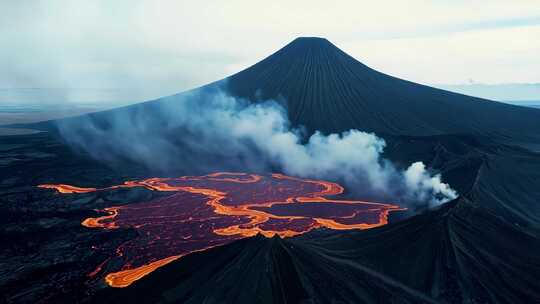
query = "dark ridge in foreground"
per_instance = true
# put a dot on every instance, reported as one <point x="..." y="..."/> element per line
<point x="261" y="270"/>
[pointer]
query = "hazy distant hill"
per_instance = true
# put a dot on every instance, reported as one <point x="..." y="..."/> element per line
<point x="510" y="92"/>
<point x="526" y="103"/>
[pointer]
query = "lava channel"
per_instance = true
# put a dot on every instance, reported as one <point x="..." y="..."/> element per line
<point x="207" y="211"/>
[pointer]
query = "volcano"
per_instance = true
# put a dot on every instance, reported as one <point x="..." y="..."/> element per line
<point x="479" y="248"/>
<point x="324" y="89"/>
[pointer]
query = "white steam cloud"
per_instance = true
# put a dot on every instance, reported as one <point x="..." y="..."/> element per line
<point x="212" y="131"/>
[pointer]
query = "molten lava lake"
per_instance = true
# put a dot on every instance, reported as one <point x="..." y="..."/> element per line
<point x="206" y="211"/>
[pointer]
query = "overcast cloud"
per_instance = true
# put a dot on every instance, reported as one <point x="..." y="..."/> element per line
<point x="160" y="47"/>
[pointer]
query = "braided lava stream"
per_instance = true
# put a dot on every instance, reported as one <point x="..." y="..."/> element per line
<point x="215" y="209"/>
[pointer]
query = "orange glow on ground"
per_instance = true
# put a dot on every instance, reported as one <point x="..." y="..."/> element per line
<point x="67" y="188"/>
<point x="124" y="278"/>
<point x="215" y="209"/>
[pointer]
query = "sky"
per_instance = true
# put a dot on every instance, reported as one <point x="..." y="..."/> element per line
<point x="155" y="48"/>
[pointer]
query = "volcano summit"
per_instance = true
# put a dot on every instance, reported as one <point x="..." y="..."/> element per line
<point x="330" y="91"/>
<point x="467" y="169"/>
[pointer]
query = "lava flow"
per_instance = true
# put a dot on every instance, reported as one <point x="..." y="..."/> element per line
<point x="206" y="211"/>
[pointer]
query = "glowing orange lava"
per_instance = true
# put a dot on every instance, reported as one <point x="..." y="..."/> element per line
<point x="67" y="188"/>
<point x="215" y="209"/>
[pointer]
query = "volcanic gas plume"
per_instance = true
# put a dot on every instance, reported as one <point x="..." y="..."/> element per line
<point x="212" y="210"/>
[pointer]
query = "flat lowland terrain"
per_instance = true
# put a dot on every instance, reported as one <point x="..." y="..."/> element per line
<point x="12" y="114"/>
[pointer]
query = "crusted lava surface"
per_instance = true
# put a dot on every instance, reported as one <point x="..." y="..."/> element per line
<point x="215" y="209"/>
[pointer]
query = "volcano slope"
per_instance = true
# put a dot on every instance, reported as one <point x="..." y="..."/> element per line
<point x="480" y="248"/>
<point x="324" y="89"/>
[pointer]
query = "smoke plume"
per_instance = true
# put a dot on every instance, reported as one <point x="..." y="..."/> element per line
<point x="207" y="130"/>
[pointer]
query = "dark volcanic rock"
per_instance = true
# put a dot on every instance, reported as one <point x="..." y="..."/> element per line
<point x="481" y="248"/>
